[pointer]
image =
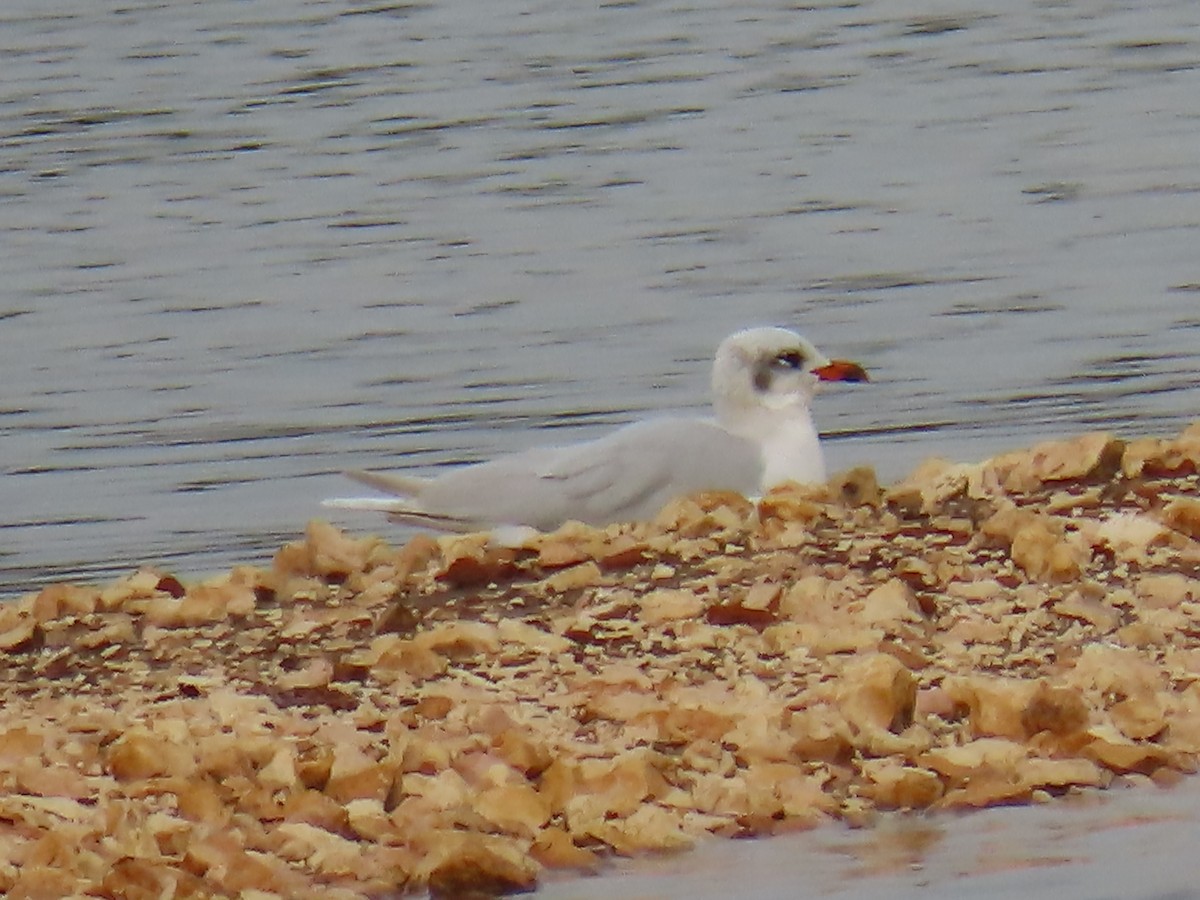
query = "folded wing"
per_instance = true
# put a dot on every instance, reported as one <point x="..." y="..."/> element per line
<point x="626" y="476"/>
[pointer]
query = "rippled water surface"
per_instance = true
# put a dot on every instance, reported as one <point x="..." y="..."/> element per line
<point x="247" y="245"/>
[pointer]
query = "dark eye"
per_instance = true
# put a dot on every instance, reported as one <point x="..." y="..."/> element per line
<point x="789" y="359"/>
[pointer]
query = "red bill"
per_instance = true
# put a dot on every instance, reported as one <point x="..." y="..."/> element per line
<point x="841" y="370"/>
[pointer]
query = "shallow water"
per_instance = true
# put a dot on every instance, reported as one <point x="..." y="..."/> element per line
<point x="249" y="245"/>
<point x="1123" y="843"/>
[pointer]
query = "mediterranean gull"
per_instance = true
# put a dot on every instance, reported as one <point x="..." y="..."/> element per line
<point x="763" y="383"/>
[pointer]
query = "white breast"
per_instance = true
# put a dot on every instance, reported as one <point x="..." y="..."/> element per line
<point x="792" y="452"/>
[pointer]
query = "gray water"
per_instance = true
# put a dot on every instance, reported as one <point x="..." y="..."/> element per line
<point x="247" y="245"/>
<point x="1138" y="843"/>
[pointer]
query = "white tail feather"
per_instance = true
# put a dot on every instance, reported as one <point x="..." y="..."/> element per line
<point x="374" y="504"/>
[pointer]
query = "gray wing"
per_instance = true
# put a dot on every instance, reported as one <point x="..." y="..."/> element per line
<point x="626" y="476"/>
<point x="400" y="485"/>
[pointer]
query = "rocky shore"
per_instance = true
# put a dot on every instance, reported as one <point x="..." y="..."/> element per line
<point x="359" y="720"/>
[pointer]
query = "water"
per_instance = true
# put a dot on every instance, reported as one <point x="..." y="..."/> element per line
<point x="1123" y="843"/>
<point x="249" y="245"/>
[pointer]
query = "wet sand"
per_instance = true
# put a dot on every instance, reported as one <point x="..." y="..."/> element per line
<point x="361" y="720"/>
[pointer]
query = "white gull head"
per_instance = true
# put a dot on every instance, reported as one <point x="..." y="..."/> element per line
<point x="763" y="384"/>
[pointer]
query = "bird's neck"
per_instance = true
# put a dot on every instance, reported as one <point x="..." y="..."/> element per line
<point x="793" y="453"/>
<point x="788" y="441"/>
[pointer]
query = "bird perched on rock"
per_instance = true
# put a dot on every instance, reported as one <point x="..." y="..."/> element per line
<point x="762" y="435"/>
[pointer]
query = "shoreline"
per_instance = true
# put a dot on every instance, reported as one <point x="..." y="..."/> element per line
<point x="361" y="720"/>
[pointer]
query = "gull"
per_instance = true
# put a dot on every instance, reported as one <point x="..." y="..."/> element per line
<point x="761" y="435"/>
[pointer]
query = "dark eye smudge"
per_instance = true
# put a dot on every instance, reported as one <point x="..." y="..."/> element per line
<point x="789" y="359"/>
<point x="763" y="376"/>
<point x="766" y="369"/>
